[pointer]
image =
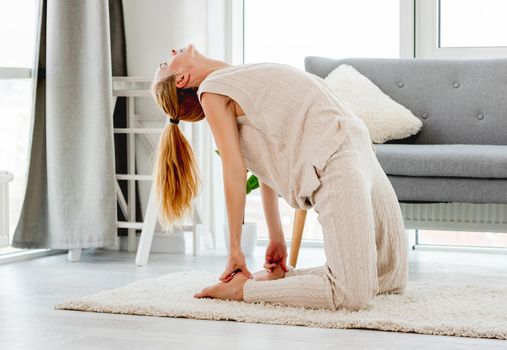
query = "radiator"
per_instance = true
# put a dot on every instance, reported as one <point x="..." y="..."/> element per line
<point x="455" y="216"/>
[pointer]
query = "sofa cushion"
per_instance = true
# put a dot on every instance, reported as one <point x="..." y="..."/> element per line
<point x="456" y="160"/>
<point x="385" y="118"/>
<point x="449" y="189"/>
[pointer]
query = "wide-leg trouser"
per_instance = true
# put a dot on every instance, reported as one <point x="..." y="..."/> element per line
<point x="364" y="236"/>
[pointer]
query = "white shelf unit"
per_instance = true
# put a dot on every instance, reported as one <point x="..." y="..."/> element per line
<point x="132" y="88"/>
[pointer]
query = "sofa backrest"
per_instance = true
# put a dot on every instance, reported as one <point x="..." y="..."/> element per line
<point x="458" y="100"/>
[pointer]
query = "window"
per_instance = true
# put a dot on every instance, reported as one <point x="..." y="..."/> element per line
<point x="286" y="31"/>
<point x="18" y="21"/>
<point x="472" y="23"/>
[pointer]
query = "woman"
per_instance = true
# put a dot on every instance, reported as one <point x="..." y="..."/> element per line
<point x="302" y="142"/>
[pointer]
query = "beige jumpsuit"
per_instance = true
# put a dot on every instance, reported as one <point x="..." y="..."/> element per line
<point x="363" y="231"/>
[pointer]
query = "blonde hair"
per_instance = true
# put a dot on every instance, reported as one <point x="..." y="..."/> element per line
<point x="176" y="174"/>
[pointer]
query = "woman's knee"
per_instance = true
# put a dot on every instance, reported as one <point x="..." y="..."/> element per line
<point x="355" y="282"/>
<point x="355" y="297"/>
<point x="357" y="301"/>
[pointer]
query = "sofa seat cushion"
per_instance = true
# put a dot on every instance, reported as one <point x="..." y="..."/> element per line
<point x="456" y="160"/>
<point x="449" y="189"/>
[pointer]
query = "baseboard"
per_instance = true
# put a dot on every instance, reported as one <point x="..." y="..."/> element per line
<point x="466" y="249"/>
<point x="28" y="254"/>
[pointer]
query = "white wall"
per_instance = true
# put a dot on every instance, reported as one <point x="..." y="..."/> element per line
<point x="152" y="28"/>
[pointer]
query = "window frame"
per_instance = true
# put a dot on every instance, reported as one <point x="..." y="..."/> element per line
<point x="427" y="37"/>
<point x="15" y="73"/>
<point x="235" y="38"/>
<point x="234" y="25"/>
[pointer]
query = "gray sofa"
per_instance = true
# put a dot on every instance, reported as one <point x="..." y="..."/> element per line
<point x="460" y="154"/>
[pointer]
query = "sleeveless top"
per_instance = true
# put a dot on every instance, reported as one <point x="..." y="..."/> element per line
<point x="293" y="123"/>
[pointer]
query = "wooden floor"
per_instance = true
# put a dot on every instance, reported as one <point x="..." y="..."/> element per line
<point x="30" y="289"/>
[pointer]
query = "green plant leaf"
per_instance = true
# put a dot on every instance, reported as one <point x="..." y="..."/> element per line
<point x="252" y="183"/>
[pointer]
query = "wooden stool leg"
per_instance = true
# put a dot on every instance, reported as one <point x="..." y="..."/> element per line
<point x="297" y="235"/>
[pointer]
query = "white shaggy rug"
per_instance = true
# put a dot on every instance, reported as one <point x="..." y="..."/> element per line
<point x="467" y="308"/>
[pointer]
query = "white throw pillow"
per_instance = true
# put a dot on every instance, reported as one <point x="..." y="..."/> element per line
<point x="385" y="118"/>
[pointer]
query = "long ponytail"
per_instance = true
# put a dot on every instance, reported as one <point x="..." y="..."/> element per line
<point x="176" y="174"/>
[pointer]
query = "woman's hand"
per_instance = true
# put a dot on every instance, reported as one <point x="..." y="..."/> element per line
<point x="236" y="262"/>
<point x="276" y="253"/>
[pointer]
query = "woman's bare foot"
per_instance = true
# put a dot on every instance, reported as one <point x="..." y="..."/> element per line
<point x="232" y="290"/>
<point x="264" y="275"/>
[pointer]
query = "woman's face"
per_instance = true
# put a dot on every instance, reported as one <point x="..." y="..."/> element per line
<point x="180" y="60"/>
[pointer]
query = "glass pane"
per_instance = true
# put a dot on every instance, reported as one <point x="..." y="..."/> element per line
<point x="473" y="23"/>
<point x="17" y="32"/>
<point x="286" y="31"/>
<point x="15" y="123"/>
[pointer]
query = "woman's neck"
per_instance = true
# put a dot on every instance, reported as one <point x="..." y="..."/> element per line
<point x="210" y="65"/>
